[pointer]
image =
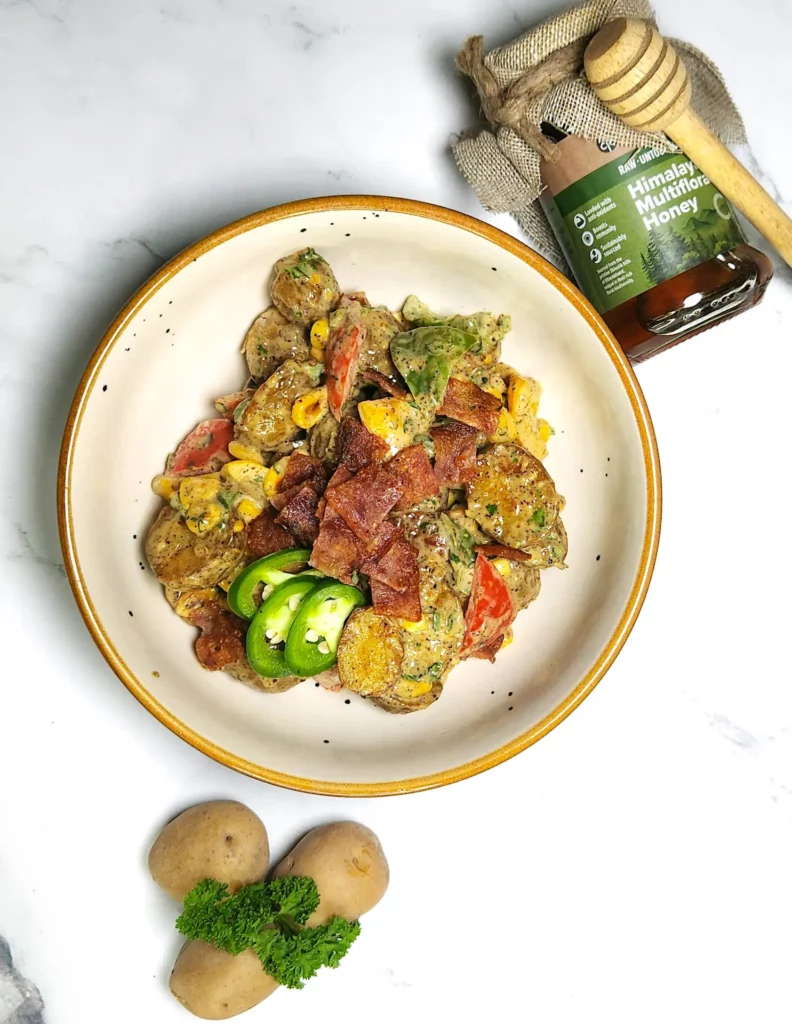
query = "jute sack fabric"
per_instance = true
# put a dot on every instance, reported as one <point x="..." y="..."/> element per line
<point x="539" y="77"/>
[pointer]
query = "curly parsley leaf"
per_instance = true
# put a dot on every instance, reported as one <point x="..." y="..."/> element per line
<point x="268" y="917"/>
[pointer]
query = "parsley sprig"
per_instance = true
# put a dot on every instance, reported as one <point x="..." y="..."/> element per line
<point x="269" y="918"/>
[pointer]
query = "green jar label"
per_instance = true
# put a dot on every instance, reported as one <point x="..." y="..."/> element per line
<point x="637" y="221"/>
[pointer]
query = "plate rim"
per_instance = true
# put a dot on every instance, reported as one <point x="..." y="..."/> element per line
<point x="638" y="591"/>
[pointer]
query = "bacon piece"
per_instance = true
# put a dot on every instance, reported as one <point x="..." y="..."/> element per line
<point x="390" y="387"/>
<point x="365" y="500"/>
<point x="397" y="567"/>
<point x="413" y="470"/>
<point x="356" y="447"/>
<point x="204" y="450"/>
<point x="466" y="402"/>
<point x="376" y="546"/>
<point x="387" y="601"/>
<point x="299" y="516"/>
<point x="222" y="641"/>
<point x="455" y="452"/>
<point x="501" y="551"/>
<point x="340" y="476"/>
<point x="303" y="469"/>
<point x="265" y="536"/>
<point x="335" y="550"/>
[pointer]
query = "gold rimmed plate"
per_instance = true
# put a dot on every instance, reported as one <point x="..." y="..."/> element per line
<point x="175" y="347"/>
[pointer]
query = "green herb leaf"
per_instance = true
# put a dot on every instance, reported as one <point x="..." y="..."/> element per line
<point x="425" y="358"/>
<point x="492" y="509"/>
<point x="268" y="917"/>
<point x="539" y="517"/>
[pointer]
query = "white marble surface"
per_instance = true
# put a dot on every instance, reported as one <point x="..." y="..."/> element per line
<point x="634" y="866"/>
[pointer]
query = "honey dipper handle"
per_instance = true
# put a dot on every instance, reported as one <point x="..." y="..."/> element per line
<point x="640" y="77"/>
<point x="733" y="180"/>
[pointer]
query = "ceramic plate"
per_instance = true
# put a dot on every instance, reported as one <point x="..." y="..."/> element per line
<point x="175" y="347"/>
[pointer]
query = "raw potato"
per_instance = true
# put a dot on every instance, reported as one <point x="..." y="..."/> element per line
<point x="220" y="839"/>
<point x="215" y="985"/>
<point x="347" y="863"/>
<point x="370" y="653"/>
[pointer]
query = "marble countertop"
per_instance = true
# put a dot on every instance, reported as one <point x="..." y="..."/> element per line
<point x="634" y="865"/>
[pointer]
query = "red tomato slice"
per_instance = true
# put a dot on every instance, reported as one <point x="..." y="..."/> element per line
<point x="342" y="356"/>
<point x="204" y="449"/>
<point x="490" y="609"/>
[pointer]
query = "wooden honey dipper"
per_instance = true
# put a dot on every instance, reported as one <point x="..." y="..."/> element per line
<point x="640" y="78"/>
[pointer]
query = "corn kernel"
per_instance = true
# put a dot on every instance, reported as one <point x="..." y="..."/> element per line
<point x="274" y="476"/>
<point x="319" y="333"/>
<point x="163" y="487"/>
<point x="508" y="638"/>
<point x="204" y="517"/>
<point x="244" y="471"/>
<point x="523" y="401"/>
<point x="502" y="565"/>
<point x="244" y="451"/>
<point x="545" y="430"/>
<point x="238" y="527"/>
<point x="310" y="408"/>
<point x="414" y="627"/>
<point x="387" y="418"/>
<point x="199" y="489"/>
<point x="248" y="510"/>
<point x="506" y="429"/>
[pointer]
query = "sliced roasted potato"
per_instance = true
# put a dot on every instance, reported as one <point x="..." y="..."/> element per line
<point x="304" y="287"/>
<point x="512" y="497"/>
<point x="184" y="561"/>
<point x="370" y="653"/>
<point x="271" y="340"/>
<point x="397" y="702"/>
<point x="267" y="420"/>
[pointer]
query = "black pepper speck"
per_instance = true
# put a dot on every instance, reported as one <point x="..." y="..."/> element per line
<point x="347" y="701"/>
<point x="511" y="709"/>
<point x="167" y="330"/>
<point x="316" y="684"/>
<point x="346" y="235"/>
<point x="303" y="230"/>
<point x="104" y="387"/>
<point x="511" y="693"/>
<point x="599" y="557"/>
<point x="131" y="615"/>
<point x="325" y="741"/>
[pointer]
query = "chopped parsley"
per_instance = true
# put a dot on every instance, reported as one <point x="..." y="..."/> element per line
<point x="492" y="510"/>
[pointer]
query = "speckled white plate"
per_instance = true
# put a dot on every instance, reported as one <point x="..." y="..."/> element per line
<point x="175" y="346"/>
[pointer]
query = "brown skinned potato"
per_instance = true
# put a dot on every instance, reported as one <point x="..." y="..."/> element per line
<point x="215" y="985"/>
<point x="370" y="653"/>
<point x="347" y="863"/>
<point x="351" y="873"/>
<point x="271" y="340"/>
<point x="220" y="839"/>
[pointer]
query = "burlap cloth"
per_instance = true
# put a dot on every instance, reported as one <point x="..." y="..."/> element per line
<point x="539" y="77"/>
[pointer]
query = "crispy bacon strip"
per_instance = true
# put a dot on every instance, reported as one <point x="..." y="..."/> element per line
<point x="265" y="536"/>
<point x="455" y="452"/>
<point x="390" y="387"/>
<point x="397" y="567"/>
<point x="357" y="447"/>
<point x="501" y="551"/>
<point x="413" y="470"/>
<point x="365" y="500"/>
<point x="335" y="550"/>
<point x="468" y="403"/>
<point x="299" y="516"/>
<point x="387" y="601"/>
